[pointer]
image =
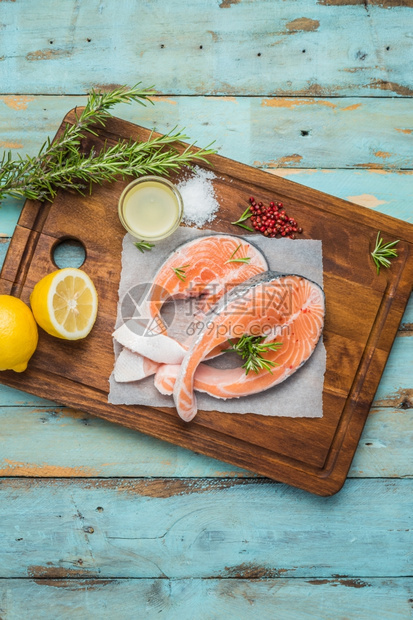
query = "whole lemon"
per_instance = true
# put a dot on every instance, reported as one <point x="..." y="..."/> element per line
<point x="18" y="334"/>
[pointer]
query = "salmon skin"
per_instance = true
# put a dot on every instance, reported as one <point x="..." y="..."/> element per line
<point x="133" y="367"/>
<point x="285" y="308"/>
<point x="205" y="268"/>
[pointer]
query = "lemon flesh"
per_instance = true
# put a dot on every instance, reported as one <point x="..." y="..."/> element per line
<point x="18" y="334"/>
<point x="65" y="303"/>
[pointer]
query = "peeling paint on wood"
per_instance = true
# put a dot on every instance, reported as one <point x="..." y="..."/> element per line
<point x="251" y="571"/>
<point x="382" y="154"/>
<point x="402" y="398"/>
<point x="366" y="200"/>
<point x="354" y="106"/>
<point x="17" y="102"/>
<point x="164" y="100"/>
<point x="284" y="102"/>
<point x="371" y="166"/>
<point x="164" y="599"/>
<point x="280" y="161"/>
<point x="384" y="4"/>
<point x="38" y="573"/>
<point x="399" y="89"/>
<point x="226" y="4"/>
<point x="348" y="583"/>
<point x="5" y="144"/>
<point x="9" y="467"/>
<point x="47" y="54"/>
<point x="74" y="584"/>
<point x="165" y="488"/>
<point x="302" y="24"/>
<point x="104" y="87"/>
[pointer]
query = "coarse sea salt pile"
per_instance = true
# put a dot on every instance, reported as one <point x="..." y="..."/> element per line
<point x="198" y="194"/>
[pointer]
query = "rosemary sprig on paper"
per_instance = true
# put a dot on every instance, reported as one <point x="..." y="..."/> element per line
<point x="245" y="259"/>
<point x="143" y="245"/>
<point x="383" y="253"/>
<point x="180" y="272"/>
<point x="63" y="165"/>
<point x="251" y="348"/>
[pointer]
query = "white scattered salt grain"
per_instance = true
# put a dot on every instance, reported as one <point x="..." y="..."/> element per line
<point x="198" y="194"/>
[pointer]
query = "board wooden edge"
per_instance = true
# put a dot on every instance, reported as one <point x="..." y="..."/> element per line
<point x="140" y="419"/>
<point x="325" y="481"/>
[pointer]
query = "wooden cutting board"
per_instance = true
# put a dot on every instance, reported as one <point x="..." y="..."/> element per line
<point x="363" y="314"/>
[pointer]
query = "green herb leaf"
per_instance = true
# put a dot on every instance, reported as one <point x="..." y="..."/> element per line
<point x="143" y="245"/>
<point x="180" y="272"/>
<point x="250" y="348"/>
<point x="244" y="216"/>
<point x="231" y="259"/>
<point x="243" y="226"/>
<point x="383" y="253"/>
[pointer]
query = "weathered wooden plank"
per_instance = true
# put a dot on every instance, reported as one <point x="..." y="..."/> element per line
<point x="10" y="397"/>
<point x="44" y="441"/>
<point x="395" y="388"/>
<point x="184" y="599"/>
<point x="263" y="131"/>
<point x="177" y="528"/>
<point x="385" y="445"/>
<point x="231" y="47"/>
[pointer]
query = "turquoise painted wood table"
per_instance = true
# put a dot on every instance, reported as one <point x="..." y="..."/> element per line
<point x="101" y="522"/>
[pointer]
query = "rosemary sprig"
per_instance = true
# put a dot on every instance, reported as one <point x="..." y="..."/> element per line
<point x="143" y="245"/>
<point x="244" y="226"/>
<point x="245" y="216"/>
<point x="96" y="111"/>
<point x="383" y="253"/>
<point x="180" y="272"/>
<point x="250" y="348"/>
<point x="62" y="164"/>
<point x="231" y="259"/>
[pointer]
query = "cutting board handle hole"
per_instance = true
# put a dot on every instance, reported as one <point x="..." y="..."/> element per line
<point x="68" y="252"/>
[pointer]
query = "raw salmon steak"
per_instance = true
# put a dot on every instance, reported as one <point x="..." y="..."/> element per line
<point x="210" y="266"/>
<point x="205" y="268"/>
<point x="284" y="308"/>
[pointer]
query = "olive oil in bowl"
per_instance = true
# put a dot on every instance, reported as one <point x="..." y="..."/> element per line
<point x="150" y="208"/>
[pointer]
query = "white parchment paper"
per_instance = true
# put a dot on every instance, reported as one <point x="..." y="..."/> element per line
<point x="298" y="396"/>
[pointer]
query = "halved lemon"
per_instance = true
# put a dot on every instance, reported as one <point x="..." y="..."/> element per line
<point x="65" y="303"/>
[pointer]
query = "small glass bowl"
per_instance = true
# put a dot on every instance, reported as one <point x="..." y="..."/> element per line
<point x="161" y="181"/>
